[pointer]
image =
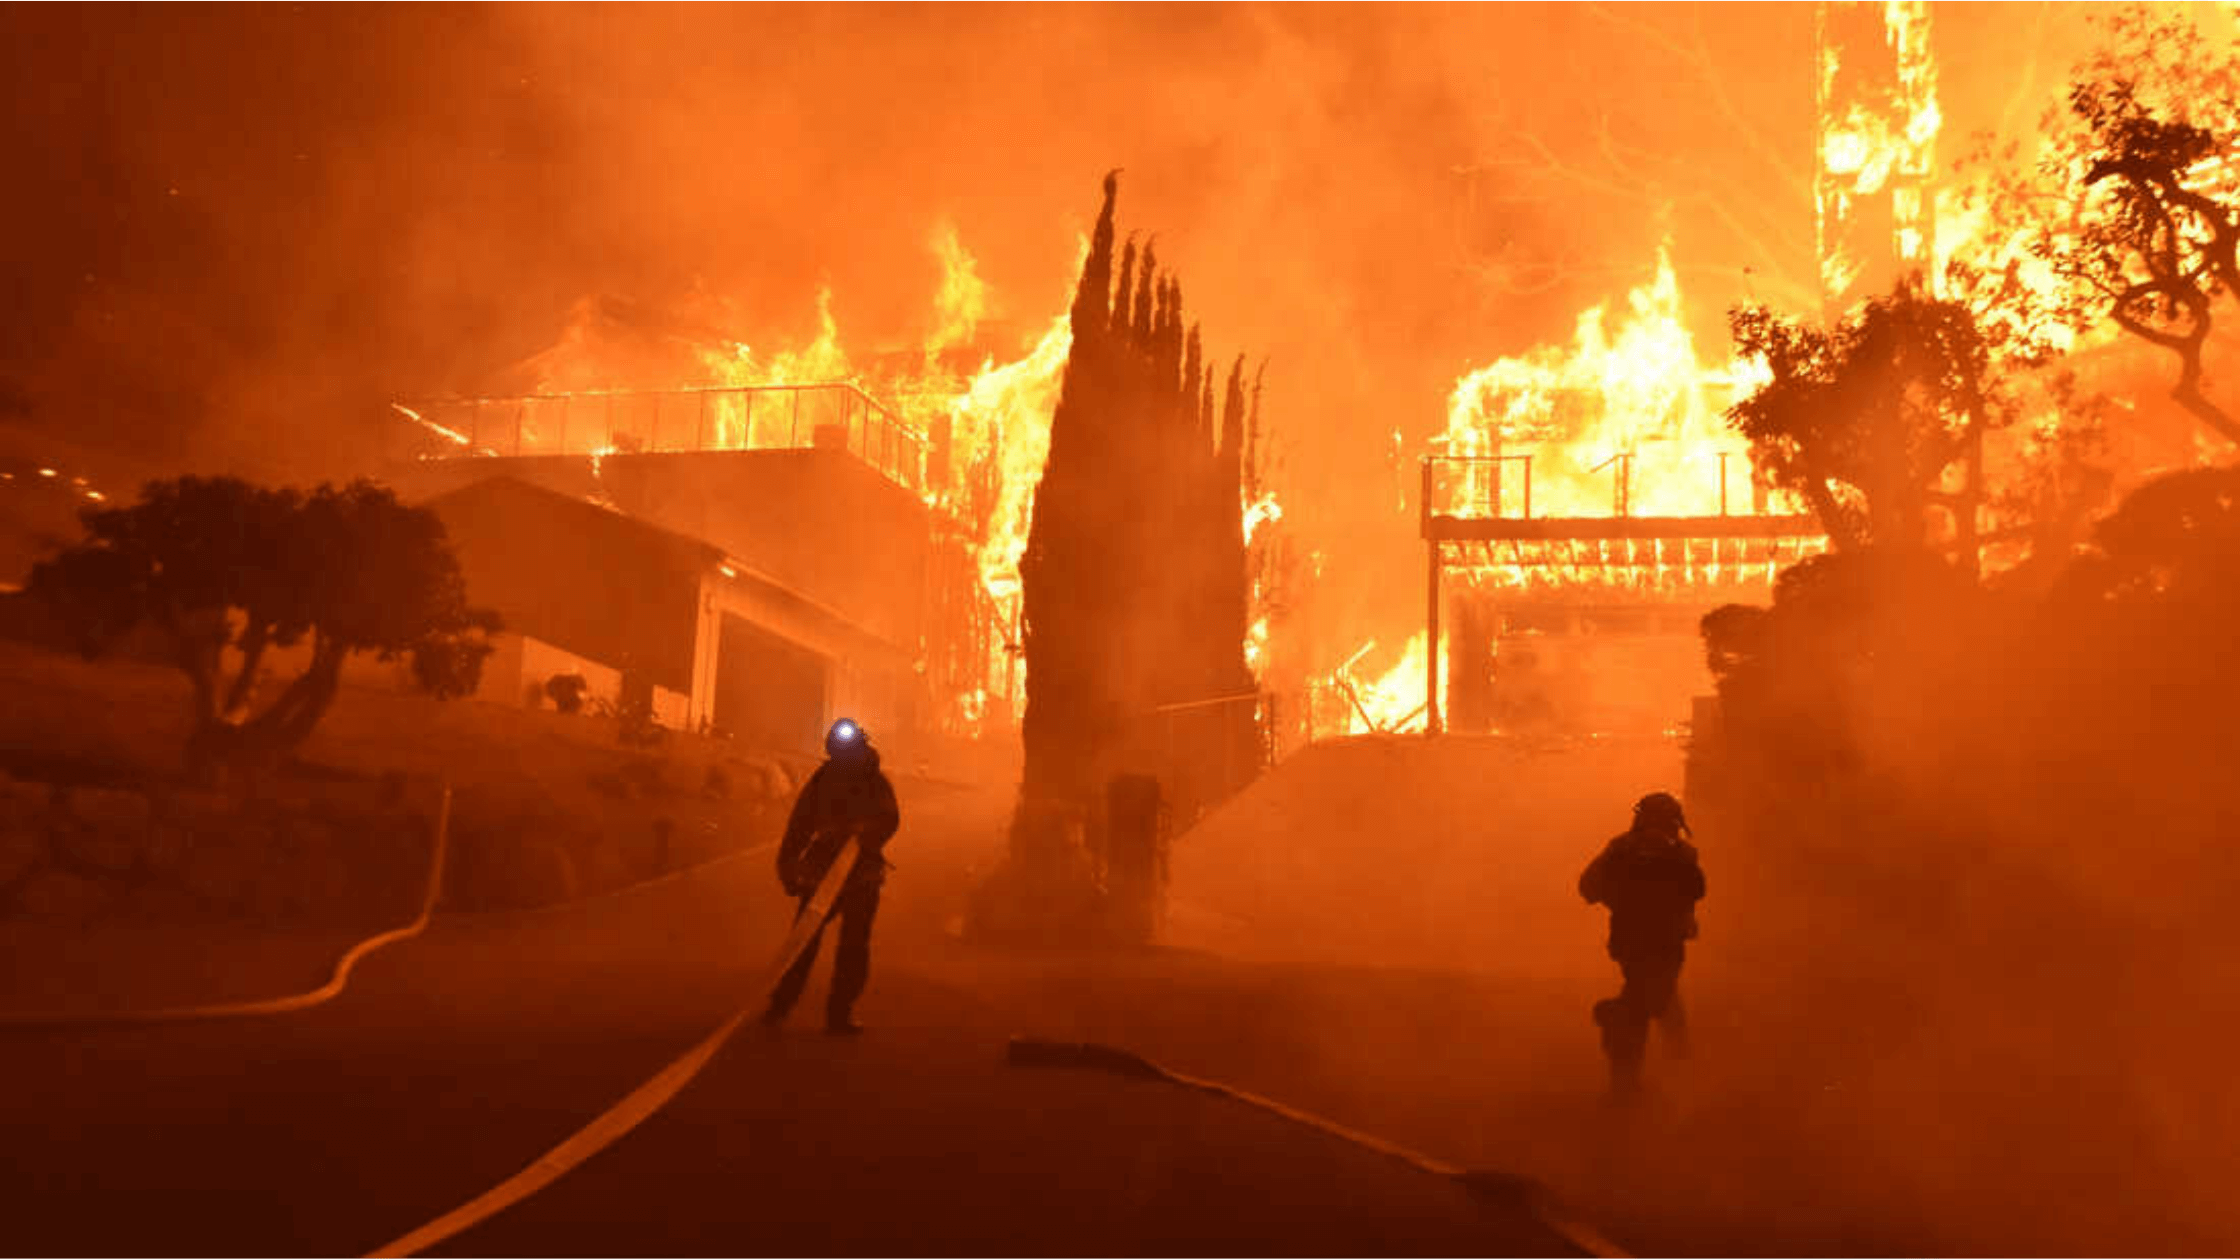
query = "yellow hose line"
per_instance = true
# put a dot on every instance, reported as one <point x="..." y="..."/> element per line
<point x="280" y="1005"/>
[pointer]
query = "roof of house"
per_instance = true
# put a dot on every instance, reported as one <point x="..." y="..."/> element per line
<point x="514" y="495"/>
<point x="616" y="588"/>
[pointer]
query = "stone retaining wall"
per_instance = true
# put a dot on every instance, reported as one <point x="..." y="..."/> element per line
<point x="156" y="853"/>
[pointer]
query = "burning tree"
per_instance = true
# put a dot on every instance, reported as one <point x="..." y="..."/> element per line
<point x="1134" y="581"/>
<point x="218" y="564"/>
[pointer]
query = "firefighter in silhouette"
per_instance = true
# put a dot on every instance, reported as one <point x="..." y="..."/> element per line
<point x="1651" y="882"/>
<point x="848" y="797"/>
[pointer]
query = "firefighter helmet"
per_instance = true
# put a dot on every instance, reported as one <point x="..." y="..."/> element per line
<point x="844" y="738"/>
<point x="1660" y="808"/>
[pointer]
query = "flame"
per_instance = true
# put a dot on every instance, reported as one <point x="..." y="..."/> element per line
<point x="2004" y="240"/>
<point x="962" y="301"/>
<point x="739" y="422"/>
<point x="1392" y="702"/>
<point x="985" y="433"/>
<point x="1878" y="137"/>
<point x="1003" y="423"/>
<point x="821" y="360"/>
<point x="1262" y="548"/>
<point x="1264" y="510"/>
<point x="1626" y="420"/>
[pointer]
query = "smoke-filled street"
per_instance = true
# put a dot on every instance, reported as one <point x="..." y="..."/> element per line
<point x="1240" y="629"/>
<point x="459" y="1058"/>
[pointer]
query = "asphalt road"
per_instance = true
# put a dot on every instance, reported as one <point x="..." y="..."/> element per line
<point x="456" y="1059"/>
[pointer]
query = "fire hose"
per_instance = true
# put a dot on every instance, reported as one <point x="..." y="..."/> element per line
<point x="1506" y="1190"/>
<point x="635" y="1107"/>
<point x="337" y="980"/>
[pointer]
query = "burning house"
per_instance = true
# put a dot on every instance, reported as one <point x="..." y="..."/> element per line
<point x="807" y="532"/>
<point x="1584" y="508"/>
<point x="790" y="537"/>
<point x="1586" y="503"/>
<point x="678" y="545"/>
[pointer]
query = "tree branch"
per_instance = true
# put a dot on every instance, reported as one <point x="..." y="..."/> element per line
<point x="253" y="641"/>
<point x="2189" y="396"/>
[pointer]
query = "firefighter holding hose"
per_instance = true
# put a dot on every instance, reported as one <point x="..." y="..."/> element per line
<point x="1650" y="880"/>
<point x="848" y="797"/>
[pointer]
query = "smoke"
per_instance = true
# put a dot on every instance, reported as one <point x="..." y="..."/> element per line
<point x="241" y="233"/>
<point x="235" y="234"/>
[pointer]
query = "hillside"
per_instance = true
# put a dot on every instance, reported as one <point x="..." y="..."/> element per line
<point x="546" y="806"/>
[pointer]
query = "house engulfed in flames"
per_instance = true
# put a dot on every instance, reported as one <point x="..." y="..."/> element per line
<point x="802" y="536"/>
<point x="1582" y="510"/>
<point x="1586" y="504"/>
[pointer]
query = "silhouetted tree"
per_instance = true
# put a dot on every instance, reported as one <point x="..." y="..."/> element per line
<point x="1069" y="709"/>
<point x="2159" y="255"/>
<point x="2128" y="197"/>
<point x="215" y="563"/>
<point x="1878" y="419"/>
<point x="2145" y="613"/>
<point x="567" y="691"/>
<point x="2173" y="547"/>
<point x="1134" y="585"/>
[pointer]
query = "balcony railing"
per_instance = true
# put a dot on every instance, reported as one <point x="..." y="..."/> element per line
<point x="1499" y="487"/>
<point x="834" y="415"/>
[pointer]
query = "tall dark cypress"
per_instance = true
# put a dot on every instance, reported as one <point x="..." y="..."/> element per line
<point x="1235" y="620"/>
<point x="1135" y="589"/>
<point x="1146" y="279"/>
<point x="1089" y="306"/>
<point x="1124" y="293"/>
<point x="1060" y="597"/>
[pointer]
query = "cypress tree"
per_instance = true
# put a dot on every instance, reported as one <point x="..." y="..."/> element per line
<point x="1135" y="591"/>
<point x="1123" y="293"/>
<point x="1146" y="279"/>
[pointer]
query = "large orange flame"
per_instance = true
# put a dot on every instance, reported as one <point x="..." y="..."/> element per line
<point x="1878" y="139"/>
<point x="1626" y="420"/>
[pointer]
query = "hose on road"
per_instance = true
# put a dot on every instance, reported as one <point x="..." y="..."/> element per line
<point x="637" y="1106"/>
<point x="1506" y="1190"/>
<point x="336" y="981"/>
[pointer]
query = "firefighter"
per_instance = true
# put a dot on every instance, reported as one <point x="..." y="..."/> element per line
<point x="846" y="797"/>
<point x="1651" y="883"/>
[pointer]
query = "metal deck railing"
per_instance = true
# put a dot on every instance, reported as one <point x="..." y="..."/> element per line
<point x="832" y="415"/>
